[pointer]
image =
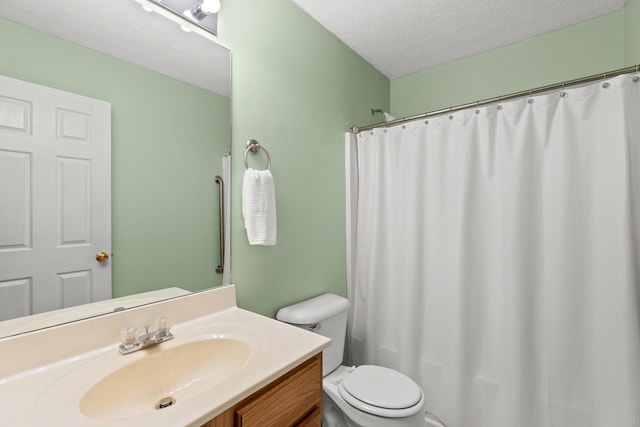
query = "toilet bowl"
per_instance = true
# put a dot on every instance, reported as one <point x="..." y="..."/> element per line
<point x="363" y="396"/>
<point x="407" y="403"/>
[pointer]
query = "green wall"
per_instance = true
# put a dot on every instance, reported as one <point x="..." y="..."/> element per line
<point x="588" y="48"/>
<point x="632" y="32"/>
<point x="167" y="144"/>
<point x="295" y="89"/>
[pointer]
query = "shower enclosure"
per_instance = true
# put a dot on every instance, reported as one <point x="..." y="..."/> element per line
<point x="493" y="257"/>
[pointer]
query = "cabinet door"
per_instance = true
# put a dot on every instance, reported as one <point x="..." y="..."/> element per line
<point x="293" y="400"/>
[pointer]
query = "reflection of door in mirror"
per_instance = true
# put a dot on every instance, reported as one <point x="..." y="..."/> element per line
<point x="55" y="199"/>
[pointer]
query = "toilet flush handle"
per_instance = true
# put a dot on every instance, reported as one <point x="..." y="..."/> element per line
<point x="315" y="327"/>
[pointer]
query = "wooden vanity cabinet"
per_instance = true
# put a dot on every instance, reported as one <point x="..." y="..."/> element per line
<point x="294" y="399"/>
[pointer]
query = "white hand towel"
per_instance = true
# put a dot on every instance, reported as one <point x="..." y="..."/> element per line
<point x="259" y="207"/>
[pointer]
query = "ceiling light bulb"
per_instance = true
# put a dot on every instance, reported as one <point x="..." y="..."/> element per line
<point x="210" y="6"/>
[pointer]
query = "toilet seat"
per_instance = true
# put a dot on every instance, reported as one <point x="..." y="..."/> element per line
<point x="381" y="391"/>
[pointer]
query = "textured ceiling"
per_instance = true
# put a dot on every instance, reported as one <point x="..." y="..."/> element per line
<point x="398" y="37"/>
<point x="402" y="37"/>
<point x="120" y="28"/>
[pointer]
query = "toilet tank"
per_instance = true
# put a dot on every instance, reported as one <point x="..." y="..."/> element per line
<point x="325" y="315"/>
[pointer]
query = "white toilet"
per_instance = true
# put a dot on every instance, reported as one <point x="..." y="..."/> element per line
<point x="363" y="396"/>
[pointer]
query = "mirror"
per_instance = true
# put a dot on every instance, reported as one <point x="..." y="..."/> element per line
<point x="169" y="92"/>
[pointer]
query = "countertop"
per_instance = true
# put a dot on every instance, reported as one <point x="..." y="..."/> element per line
<point x="44" y="373"/>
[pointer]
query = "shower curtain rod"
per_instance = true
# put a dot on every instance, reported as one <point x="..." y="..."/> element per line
<point x="514" y="95"/>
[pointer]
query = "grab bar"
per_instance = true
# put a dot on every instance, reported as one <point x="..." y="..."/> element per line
<point x="220" y="182"/>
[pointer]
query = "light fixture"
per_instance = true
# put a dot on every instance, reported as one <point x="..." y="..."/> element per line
<point x="187" y="19"/>
<point x="205" y="8"/>
<point x="210" y="6"/>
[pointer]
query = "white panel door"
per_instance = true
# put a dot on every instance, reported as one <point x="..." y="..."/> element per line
<point x="55" y="199"/>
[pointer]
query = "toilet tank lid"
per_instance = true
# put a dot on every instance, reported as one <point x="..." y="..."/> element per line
<point x="313" y="310"/>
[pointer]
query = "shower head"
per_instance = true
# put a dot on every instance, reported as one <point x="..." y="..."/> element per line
<point x="387" y="117"/>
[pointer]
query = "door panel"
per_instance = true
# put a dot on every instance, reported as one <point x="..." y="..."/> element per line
<point x="74" y="201"/>
<point x="15" y="298"/>
<point x="15" y="115"/>
<point x="55" y="198"/>
<point x="15" y="231"/>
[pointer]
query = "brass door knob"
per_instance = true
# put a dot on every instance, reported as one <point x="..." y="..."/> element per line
<point x="102" y="257"/>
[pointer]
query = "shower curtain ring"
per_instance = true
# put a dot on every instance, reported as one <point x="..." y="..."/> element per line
<point x="563" y="94"/>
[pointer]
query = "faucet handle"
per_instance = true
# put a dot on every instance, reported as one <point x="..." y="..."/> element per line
<point x="128" y="336"/>
<point x="164" y="326"/>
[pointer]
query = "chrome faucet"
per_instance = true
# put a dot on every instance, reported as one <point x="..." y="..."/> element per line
<point x="130" y="342"/>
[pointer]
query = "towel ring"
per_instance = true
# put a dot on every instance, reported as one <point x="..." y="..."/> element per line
<point x="253" y="146"/>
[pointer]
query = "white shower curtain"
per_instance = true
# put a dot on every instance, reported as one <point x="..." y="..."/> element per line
<point x="493" y="257"/>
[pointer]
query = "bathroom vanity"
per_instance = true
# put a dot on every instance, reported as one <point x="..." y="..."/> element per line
<point x="294" y="399"/>
<point x="223" y="367"/>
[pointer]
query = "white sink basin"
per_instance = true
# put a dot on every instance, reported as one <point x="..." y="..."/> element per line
<point x="176" y="373"/>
